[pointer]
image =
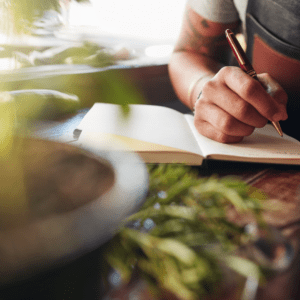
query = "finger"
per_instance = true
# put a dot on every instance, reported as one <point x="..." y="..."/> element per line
<point x="234" y="105"/>
<point x="273" y="88"/>
<point x="253" y="92"/>
<point x="209" y="131"/>
<point x="221" y="120"/>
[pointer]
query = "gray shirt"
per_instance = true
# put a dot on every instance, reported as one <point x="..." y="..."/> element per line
<point x="221" y="11"/>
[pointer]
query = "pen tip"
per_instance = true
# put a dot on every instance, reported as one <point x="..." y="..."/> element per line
<point x="278" y="128"/>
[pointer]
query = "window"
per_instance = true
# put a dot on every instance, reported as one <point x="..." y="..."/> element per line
<point x="154" y="20"/>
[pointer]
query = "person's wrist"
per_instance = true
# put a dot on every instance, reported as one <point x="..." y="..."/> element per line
<point x="196" y="89"/>
<point x="198" y="98"/>
<point x="192" y="88"/>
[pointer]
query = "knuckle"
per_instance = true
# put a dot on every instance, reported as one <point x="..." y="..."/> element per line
<point x="243" y="109"/>
<point x="226" y="139"/>
<point x="201" y="126"/>
<point x="197" y="119"/>
<point x="222" y="138"/>
<point x="208" y="91"/>
<point x="225" y="124"/>
<point x="225" y="72"/>
<point x="205" y="88"/>
<point x="208" y="86"/>
<point x="250" y="88"/>
<point x="199" y="123"/>
<point x="200" y="107"/>
<point x="249" y="130"/>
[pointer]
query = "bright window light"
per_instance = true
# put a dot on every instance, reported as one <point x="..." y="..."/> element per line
<point x="155" y="20"/>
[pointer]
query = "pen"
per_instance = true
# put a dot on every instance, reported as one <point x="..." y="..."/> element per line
<point x="245" y="64"/>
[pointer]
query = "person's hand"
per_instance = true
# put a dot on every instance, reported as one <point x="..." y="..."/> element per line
<point x="233" y="104"/>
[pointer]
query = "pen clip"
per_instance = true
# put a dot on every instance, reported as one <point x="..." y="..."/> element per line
<point x="235" y="47"/>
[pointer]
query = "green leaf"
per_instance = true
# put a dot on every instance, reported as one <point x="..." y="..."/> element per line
<point x="243" y="266"/>
<point x="178" y="250"/>
<point x="214" y="188"/>
<point x="181" y="254"/>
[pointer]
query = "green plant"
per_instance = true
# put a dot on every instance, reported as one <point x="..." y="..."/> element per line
<point x="18" y="108"/>
<point x="182" y="235"/>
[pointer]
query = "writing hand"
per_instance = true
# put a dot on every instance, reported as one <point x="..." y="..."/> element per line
<point x="233" y="104"/>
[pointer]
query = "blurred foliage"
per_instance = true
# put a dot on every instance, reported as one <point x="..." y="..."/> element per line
<point x="13" y="204"/>
<point x="22" y="103"/>
<point x="87" y="53"/>
<point x="43" y="104"/>
<point x="181" y="236"/>
<point x="20" y="14"/>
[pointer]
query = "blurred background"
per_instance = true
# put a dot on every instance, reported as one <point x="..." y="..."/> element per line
<point x="111" y="22"/>
<point x="154" y="20"/>
<point x="140" y="35"/>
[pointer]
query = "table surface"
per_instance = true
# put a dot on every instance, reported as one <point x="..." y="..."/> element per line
<point x="279" y="182"/>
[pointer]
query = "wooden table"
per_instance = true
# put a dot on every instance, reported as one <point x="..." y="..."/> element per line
<point x="281" y="183"/>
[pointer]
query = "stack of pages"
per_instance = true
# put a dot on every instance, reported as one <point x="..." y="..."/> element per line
<point x="163" y="135"/>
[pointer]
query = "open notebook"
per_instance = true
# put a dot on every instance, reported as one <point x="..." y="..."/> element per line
<point x="163" y="135"/>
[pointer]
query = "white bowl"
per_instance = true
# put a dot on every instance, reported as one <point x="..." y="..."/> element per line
<point x="56" y="237"/>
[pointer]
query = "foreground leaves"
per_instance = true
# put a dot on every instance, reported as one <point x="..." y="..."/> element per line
<point x="181" y="235"/>
<point x="13" y="204"/>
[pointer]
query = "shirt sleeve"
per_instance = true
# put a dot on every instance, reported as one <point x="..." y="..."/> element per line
<point x="221" y="11"/>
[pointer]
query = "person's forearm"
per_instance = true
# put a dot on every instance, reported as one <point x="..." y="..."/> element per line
<point x="200" y="50"/>
<point x="188" y="73"/>
<point x="231" y="104"/>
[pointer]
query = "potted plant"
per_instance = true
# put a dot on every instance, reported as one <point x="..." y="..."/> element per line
<point x="58" y="201"/>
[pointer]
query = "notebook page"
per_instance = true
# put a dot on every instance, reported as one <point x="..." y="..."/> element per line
<point x="153" y="124"/>
<point x="263" y="143"/>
